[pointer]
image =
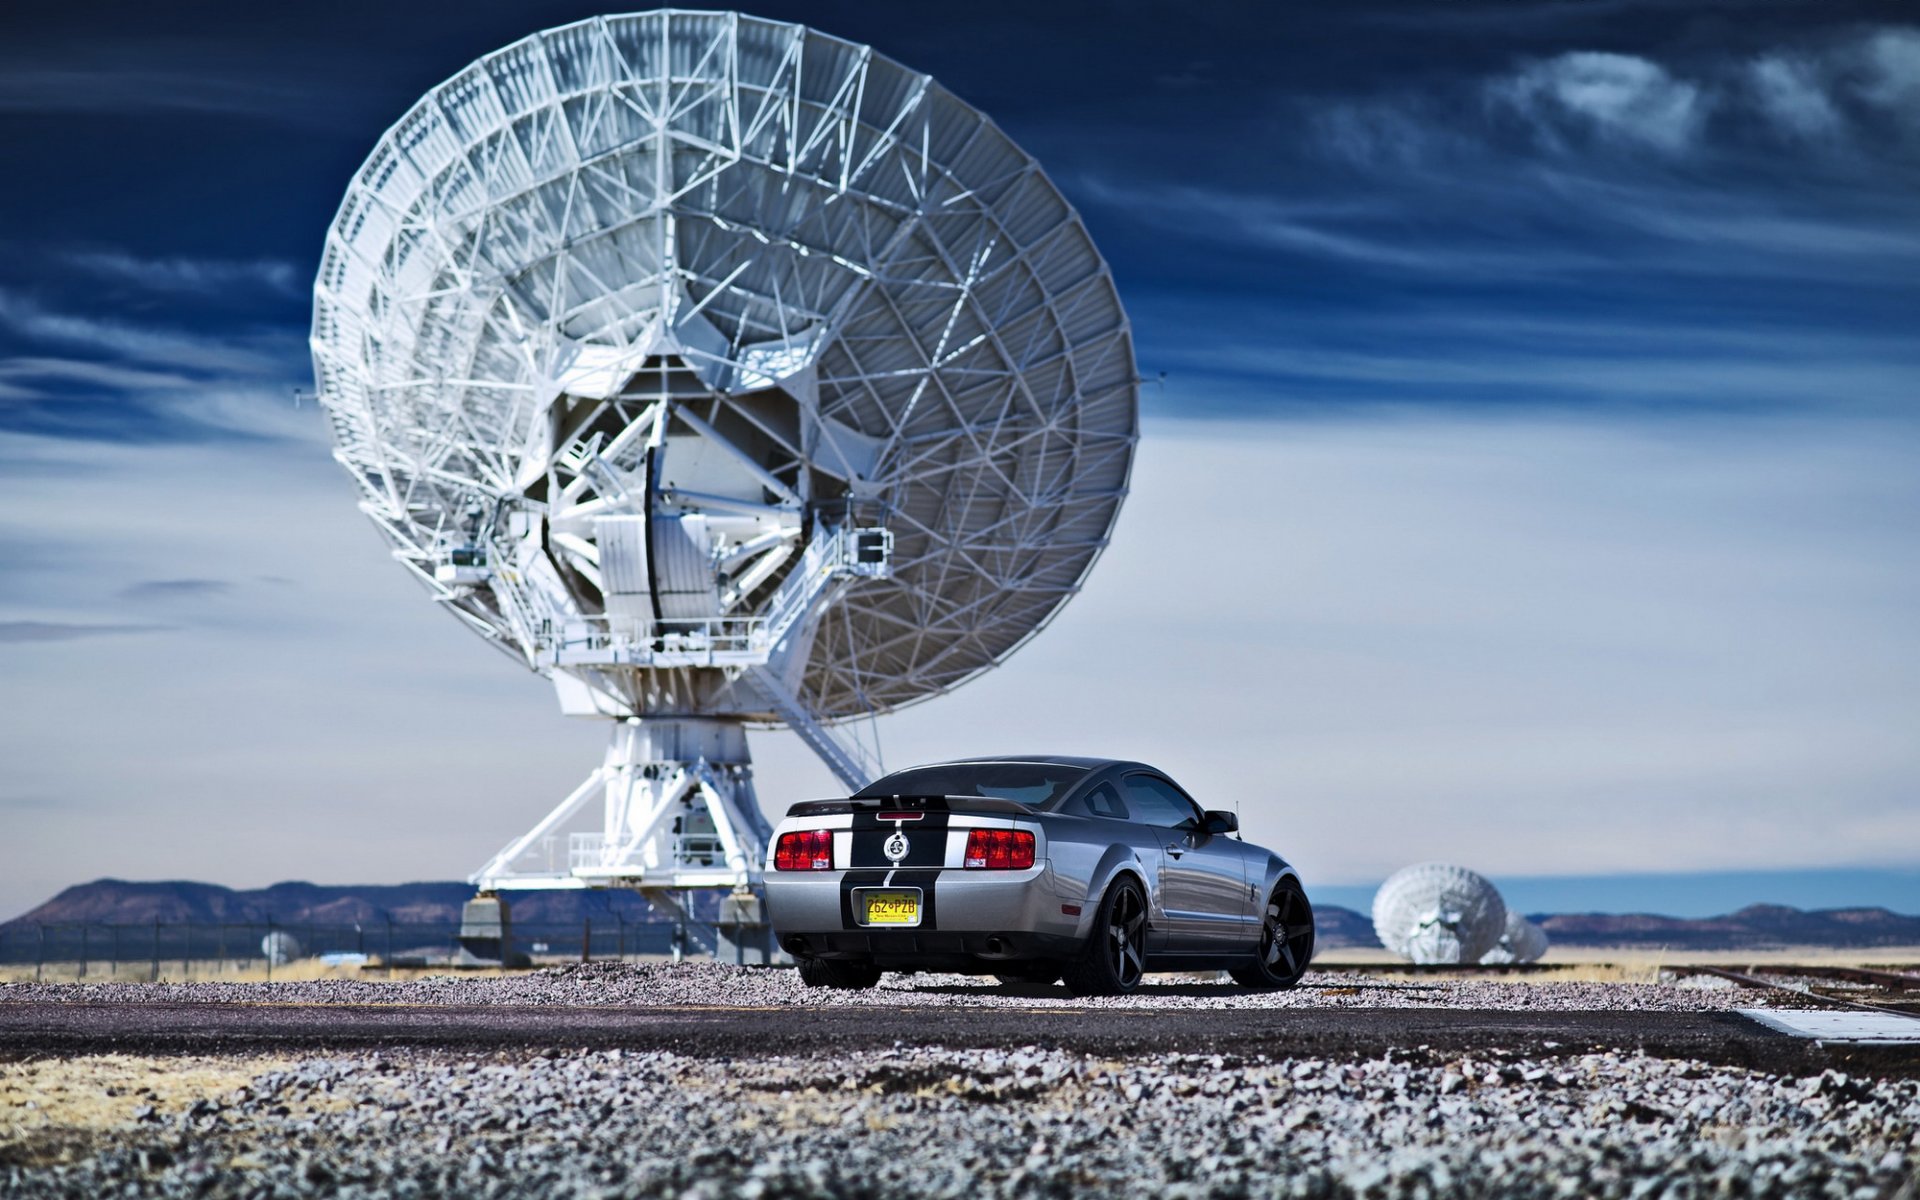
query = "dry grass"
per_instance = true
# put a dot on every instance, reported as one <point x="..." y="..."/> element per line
<point x="50" y="1109"/>
<point x="230" y="972"/>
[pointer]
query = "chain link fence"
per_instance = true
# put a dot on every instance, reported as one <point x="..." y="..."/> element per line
<point x="173" y="951"/>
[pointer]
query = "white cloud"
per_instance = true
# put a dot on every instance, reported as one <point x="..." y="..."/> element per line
<point x="191" y="275"/>
<point x="1793" y="96"/>
<point x="52" y="369"/>
<point x="148" y="344"/>
<point x="1891" y="61"/>
<point x="1621" y="98"/>
<point x="1830" y="95"/>
<point x="238" y="382"/>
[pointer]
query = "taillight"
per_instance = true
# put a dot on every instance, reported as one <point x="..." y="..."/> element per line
<point x="807" y="850"/>
<point x="1000" y="849"/>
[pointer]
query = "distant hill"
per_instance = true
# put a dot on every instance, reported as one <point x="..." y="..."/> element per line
<point x="117" y="902"/>
<point x="1335" y="927"/>
<point x="1756" y="927"/>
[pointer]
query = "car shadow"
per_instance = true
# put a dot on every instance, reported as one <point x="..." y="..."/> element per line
<point x="1038" y="992"/>
<point x="1194" y="991"/>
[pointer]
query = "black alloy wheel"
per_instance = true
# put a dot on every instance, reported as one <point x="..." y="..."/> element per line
<point x="1116" y="959"/>
<point x="1286" y="941"/>
<point x="835" y="973"/>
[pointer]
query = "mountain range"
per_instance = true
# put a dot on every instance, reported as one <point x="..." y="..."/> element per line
<point x="118" y="902"/>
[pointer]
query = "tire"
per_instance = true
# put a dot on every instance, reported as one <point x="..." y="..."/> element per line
<point x="831" y="973"/>
<point x="1116" y="958"/>
<point x="1286" y="941"/>
<point x="1027" y="975"/>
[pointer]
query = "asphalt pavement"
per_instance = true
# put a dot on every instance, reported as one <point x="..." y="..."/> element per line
<point x="36" y="1029"/>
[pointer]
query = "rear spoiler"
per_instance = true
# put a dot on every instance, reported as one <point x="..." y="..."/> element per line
<point x="910" y="804"/>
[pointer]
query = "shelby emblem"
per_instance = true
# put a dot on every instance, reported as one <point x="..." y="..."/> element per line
<point x="895" y="848"/>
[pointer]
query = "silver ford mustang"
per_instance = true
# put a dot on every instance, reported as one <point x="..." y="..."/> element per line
<point x="1035" y="869"/>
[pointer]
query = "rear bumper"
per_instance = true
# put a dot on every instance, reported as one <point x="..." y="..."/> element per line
<point x="973" y="918"/>
<point x="933" y="949"/>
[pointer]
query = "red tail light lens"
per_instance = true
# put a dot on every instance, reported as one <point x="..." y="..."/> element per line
<point x="1000" y="849"/>
<point x="807" y="850"/>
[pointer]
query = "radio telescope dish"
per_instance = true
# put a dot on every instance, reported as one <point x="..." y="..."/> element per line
<point x="280" y="948"/>
<point x="1438" y="913"/>
<point x="726" y="373"/>
<point x="1523" y="942"/>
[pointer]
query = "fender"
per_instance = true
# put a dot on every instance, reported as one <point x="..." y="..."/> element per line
<point x="1122" y="858"/>
<point x="1276" y="869"/>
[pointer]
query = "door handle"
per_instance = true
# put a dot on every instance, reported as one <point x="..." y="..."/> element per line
<point x="1175" y="850"/>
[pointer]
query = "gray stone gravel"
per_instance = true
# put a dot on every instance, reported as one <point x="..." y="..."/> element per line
<point x="706" y="983"/>
<point x="1028" y="1122"/>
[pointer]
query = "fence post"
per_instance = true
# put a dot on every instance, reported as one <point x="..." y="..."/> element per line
<point x="40" y="958"/>
<point x="83" y="951"/>
<point x="154" y="975"/>
<point x="389" y="959"/>
<point x="113" y="971"/>
<point x="620" y="947"/>
<point x="223" y="949"/>
<point x="586" y="939"/>
<point x="267" y="947"/>
<point x="186" y="953"/>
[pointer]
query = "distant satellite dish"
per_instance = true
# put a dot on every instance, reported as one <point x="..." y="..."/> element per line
<point x="280" y="948"/>
<point x="1523" y="942"/>
<point x="1438" y="913"/>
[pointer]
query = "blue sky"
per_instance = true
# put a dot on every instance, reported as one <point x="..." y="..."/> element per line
<point x="1535" y="480"/>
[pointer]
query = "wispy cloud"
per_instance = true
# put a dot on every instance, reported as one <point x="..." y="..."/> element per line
<point x="175" y="589"/>
<point x="1792" y="96"/>
<point x="1890" y="59"/>
<point x="1596" y="172"/>
<point x="244" y="354"/>
<point x="23" y="372"/>
<point x="190" y="275"/>
<point x="1621" y="98"/>
<point x="55" y="631"/>
<point x="1357" y="233"/>
<point x="97" y="378"/>
<point x="113" y="83"/>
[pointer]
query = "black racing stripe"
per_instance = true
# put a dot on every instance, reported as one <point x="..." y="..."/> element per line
<point x="929" y="898"/>
<point x="926" y="845"/>
<point x="849" y="881"/>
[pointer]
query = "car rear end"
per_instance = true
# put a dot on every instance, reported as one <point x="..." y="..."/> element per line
<point x="958" y="883"/>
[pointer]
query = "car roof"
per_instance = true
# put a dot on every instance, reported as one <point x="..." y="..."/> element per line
<point x="1040" y="760"/>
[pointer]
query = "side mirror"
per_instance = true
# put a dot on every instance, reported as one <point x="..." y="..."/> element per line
<point x="1215" y="823"/>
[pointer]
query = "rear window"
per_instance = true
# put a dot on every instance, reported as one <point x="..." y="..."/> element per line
<point x="1036" y="785"/>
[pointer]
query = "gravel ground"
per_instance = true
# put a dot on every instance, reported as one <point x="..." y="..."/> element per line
<point x="705" y="983"/>
<point x="940" y="1123"/>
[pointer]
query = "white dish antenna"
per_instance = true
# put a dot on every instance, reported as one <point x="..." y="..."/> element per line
<point x="1438" y="913"/>
<point x="1523" y="942"/>
<point x="726" y="373"/>
<point x="280" y="948"/>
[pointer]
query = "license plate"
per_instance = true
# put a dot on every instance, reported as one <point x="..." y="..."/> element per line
<point x="888" y="907"/>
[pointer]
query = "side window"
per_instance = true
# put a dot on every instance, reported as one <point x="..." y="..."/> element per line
<point x="1156" y="802"/>
<point x="1103" y="801"/>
